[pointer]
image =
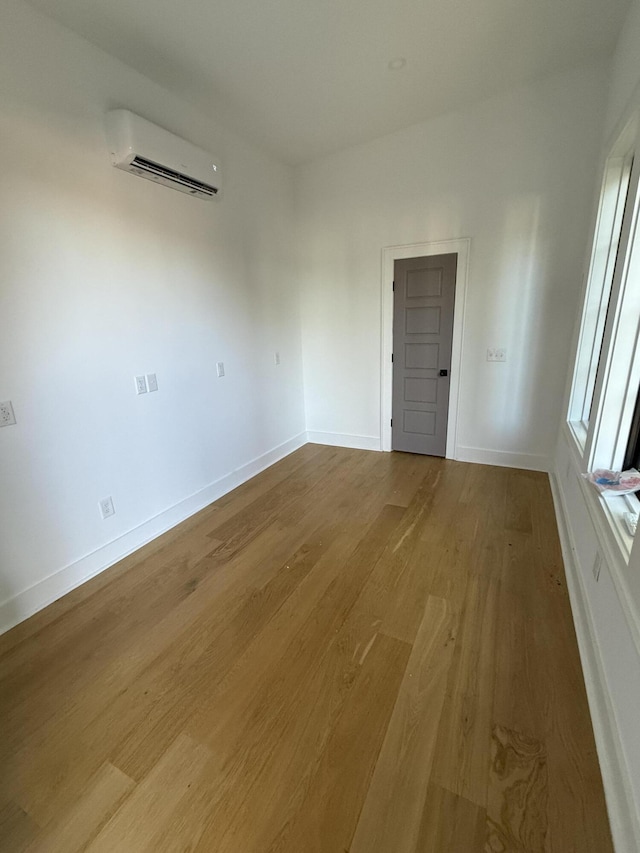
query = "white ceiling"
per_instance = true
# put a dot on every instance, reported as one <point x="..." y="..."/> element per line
<point x="307" y="77"/>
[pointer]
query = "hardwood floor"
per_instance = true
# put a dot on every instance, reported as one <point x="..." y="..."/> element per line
<point x="354" y="652"/>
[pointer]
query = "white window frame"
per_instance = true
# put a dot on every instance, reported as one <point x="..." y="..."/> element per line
<point x="599" y="290"/>
<point x="618" y="378"/>
<point x="609" y="341"/>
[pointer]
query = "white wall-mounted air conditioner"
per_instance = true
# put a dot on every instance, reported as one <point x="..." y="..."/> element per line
<point x="149" y="151"/>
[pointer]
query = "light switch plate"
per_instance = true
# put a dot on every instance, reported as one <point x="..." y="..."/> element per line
<point x="220" y="369"/>
<point x="276" y="357"/>
<point x="152" y="381"/>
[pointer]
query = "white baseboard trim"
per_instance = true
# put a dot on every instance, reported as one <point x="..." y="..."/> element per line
<point x="502" y="458"/>
<point x="623" y="814"/>
<point x="29" y="601"/>
<point x="340" y="439"/>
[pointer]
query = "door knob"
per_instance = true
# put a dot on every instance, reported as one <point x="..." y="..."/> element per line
<point x="444" y="373"/>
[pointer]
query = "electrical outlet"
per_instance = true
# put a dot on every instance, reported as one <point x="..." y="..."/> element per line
<point x="141" y="385"/>
<point x="276" y="358"/>
<point x="220" y="369"/>
<point x="597" y="565"/>
<point x="7" y="418"/>
<point x="496" y="354"/>
<point x="106" y="507"/>
<point x="152" y="382"/>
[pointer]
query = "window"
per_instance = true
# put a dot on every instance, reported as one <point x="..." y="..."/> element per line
<point x="632" y="454"/>
<point x="604" y="410"/>
<point x="614" y="199"/>
<point x="610" y="427"/>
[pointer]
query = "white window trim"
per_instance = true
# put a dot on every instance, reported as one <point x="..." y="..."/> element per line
<point x="599" y="289"/>
<point x="619" y="376"/>
<point x="601" y="441"/>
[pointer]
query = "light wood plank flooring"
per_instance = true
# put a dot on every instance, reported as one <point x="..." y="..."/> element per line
<point x="354" y="652"/>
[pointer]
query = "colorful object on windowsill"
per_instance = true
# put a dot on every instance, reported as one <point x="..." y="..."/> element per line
<point x="609" y="483"/>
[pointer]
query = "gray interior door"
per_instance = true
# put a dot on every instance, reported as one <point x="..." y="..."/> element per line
<point x="424" y="294"/>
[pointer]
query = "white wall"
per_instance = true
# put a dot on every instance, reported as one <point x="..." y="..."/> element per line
<point x="103" y="276"/>
<point x="625" y="72"/>
<point x="515" y="174"/>
<point x="607" y="610"/>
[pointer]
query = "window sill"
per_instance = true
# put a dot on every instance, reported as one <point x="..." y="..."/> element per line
<point x="607" y="513"/>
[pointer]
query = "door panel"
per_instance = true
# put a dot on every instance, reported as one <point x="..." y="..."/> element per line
<point x="424" y="296"/>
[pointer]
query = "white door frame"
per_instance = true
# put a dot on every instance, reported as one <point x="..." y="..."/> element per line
<point x="390" y="254"/>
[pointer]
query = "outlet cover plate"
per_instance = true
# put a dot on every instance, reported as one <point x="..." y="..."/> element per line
<point x="7" y="417"/>
<point x="220" y="369"/>
<point x="141" y="385"/>
<point x="106" y="507"/>
<point x="496" y="354"/>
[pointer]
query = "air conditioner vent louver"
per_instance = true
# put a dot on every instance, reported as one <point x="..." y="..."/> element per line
<point x="150" y="168"/>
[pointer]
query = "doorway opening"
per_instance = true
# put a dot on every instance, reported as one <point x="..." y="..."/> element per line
<point x="428" y="330"/>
